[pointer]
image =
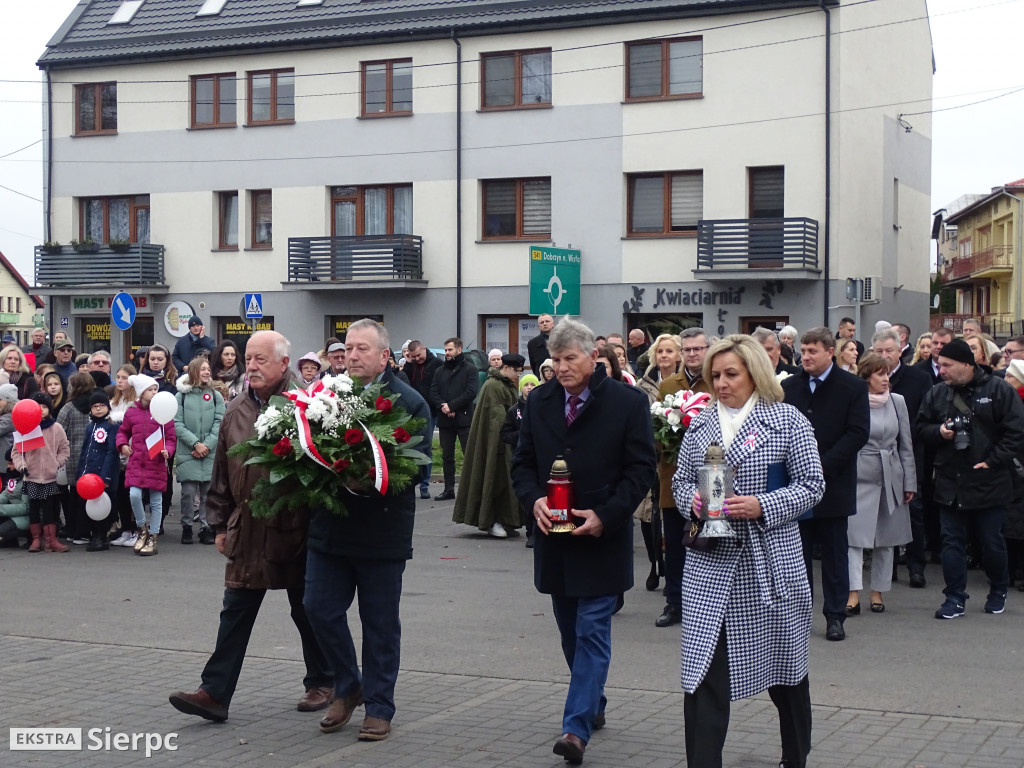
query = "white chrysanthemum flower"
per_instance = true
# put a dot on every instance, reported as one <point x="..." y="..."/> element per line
<point x="656" y="408"/>
<point x="669" y="401"/>
<point x="674" y="418"/>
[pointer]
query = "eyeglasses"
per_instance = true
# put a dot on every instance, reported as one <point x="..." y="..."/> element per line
<point x="694" y="350"/>
<point x="1009" y="351"/>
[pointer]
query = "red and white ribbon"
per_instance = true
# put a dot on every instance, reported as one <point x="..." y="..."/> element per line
<point x="380" y="466"/>
<point x="302" y="399"/>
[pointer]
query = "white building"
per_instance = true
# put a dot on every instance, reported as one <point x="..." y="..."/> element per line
<point x="724" y="163"/>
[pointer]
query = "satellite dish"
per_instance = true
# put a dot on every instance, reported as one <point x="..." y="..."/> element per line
<point x="935" y="302"/>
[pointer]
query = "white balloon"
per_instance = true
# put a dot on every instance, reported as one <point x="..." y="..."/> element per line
<point x="97" y="509"/>
<point x="162" y="407"/>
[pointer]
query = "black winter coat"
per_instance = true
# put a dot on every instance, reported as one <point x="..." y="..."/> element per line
<point x="997" y="438"/>
<point x="537" y="351"/>
<point x="376" y="527"/>
<point x="456" y="383"/>
<point x="610" y="452"/>
<point x="422" y="376"/>
<point x="912" y="384"/>
<point x="510" y="429"/>
<point x="838" y="411"/>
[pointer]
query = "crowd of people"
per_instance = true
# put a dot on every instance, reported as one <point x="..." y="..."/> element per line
<point x="906" y="449"/>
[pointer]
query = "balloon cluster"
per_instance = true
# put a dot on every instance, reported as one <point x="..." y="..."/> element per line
<point x="97" y="503"/>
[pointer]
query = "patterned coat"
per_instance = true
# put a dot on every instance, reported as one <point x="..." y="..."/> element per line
<point x="756" y="585"/>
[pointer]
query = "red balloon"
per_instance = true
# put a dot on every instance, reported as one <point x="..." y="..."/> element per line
<point x="26" y="416"/>
<point x="90" y="486"/>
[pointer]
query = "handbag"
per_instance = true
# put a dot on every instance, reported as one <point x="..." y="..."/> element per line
<point x="692" y="539"/>
<point x="62" y="475"/>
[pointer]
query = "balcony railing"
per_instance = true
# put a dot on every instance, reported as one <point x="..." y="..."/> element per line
<point x="355" y="258"/>
<point x="996" y="257"/>
<point x="764" y="244"/>
<point x="137" y="264"/>
<point x="994" y="324"/>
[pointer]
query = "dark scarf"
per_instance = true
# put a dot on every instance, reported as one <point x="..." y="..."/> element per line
<point x="227" y="375"/>
<point x="158" y="375"/>
<point x="48" y="422"/>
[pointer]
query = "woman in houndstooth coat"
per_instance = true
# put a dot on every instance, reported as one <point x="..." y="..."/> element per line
<point x="746" y="620"/>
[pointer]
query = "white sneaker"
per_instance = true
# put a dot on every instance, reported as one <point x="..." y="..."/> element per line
<point x="130" y="541"/>
<point x="120" y="540"/>
<point x="498" y="530"/>
<point x="79" y="541"/>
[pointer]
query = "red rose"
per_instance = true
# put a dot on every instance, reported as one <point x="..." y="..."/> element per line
<point x="283" y="447"/>
<point x="341" y="465"/>
<point x="383" y="404"/>
<point x="353" y="436"/>
<point x="686" y="420"/>
<point x="401" y="435"/>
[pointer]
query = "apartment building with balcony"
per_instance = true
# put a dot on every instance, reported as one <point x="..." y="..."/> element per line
<point x="718" y="162"/>
<point x="986" y="270"/>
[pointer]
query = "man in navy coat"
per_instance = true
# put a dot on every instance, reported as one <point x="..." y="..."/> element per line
<point x="602" y="429"/>
<point x="836" y="403"/>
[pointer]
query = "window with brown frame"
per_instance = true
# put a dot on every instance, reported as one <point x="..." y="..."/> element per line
<point x="516" y="209"/>
<point x="261" y="217"/>
<point x="372" y="210"/>
<point x="213" y="101"/>
<point x="669" y="203"/>
<point x="227" y="220"/>
<point x="271" y="97"/>
<point x="515" y="79"/>
<point x="103" y="219"/>
<point x="95" y="108"/>
<point x="387" y="88"/>
<point x="665" y="69"/>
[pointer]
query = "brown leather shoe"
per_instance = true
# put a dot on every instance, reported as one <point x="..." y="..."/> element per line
<point x="315" y="699"/>
<point x="199" y="703"/>
<point x="374" y="729"/>
<point x="340" y="712"/>
<point x="571" y="747"/>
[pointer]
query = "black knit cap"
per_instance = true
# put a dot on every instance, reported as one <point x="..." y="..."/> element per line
<point x="43" y="399"/>
<point x="98" y="396"/>
<point x="958" y="350"/>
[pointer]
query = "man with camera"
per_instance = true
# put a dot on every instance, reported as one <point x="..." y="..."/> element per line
<point x="976" y="426"/>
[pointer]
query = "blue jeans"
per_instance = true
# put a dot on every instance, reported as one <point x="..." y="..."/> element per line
<point x="585" y="624"/>
<point x="988" y="524"/>
<point x="156" y="508"/>
<point x="331" y="584"/>
<point x="425" y="479"/>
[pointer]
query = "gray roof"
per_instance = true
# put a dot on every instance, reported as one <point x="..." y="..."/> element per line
<point x="170" y="28"/>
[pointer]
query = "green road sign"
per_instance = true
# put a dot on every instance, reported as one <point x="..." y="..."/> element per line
<point x="554" y="281"/>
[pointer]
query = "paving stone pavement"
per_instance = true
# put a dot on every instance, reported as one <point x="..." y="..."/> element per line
<point x="100" y="640"/>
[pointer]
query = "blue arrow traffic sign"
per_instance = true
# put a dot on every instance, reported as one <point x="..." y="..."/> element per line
<point x="122" y="310"/>
<point x="253" y="306"/>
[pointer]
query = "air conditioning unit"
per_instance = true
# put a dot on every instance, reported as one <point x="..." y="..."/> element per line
<point x="872" y="290"/>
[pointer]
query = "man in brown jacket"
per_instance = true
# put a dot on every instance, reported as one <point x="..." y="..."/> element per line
<point x="262" y="554"/>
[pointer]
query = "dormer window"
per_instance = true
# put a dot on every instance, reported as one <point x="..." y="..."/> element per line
<point x="212" y="7"/>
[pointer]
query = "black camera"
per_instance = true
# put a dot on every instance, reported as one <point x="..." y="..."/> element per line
<point x="960" y="426"/>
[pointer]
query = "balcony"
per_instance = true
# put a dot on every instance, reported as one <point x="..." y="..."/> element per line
<point x="994" y="324"/>
<point x="991" y="262"/>
<point x="355" y="262"/>
<point x="755" y="249"/>
<point x="66" y="271"/>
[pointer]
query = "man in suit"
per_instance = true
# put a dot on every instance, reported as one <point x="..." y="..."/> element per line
<point x="912" y="384"/>
<point x="602" y="430"/>
<point x="364" y="552"/>
<point x="848" y="330"/>
<point x="836" y="403"/>
<point x="770" y="341"/>
<point x="940" y="337"/>
<point x="906" y="347"/>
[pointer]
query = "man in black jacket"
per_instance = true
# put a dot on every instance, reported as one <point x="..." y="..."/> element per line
<point x="452" y="392"/>
<point x="836" y="403"/>
<point x="420" y="366"/>
<point x="975" y="422"/>
<point x="940" y="337"/>
<point x="603" y="431"/>
<point x="912" y="384"/>
<point x="906" y="348"/>
<point x="537" y="347"/>
<point x="770" y="341"/>
<point x="192" y="344"/>
<point x="364" y="551"/>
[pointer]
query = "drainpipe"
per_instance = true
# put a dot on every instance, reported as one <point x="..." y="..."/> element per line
<point x="49" y="181"/>
<point x="458" y="184"/>
<point x="1017" y="263"/>
<point x="828" y="157"/>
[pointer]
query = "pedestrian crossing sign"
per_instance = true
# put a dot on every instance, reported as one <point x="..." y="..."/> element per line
<point x="253" y="306"/>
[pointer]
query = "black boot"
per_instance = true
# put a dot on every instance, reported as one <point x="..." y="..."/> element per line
<point x="186" y="534"/>
<point x="97" y="544"/>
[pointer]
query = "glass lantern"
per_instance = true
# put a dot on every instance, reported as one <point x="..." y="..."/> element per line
<point x="714" y="484"/>
<point x="560" y="498"/>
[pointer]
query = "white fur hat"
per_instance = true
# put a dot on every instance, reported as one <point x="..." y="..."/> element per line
<point x="141" y="382"/>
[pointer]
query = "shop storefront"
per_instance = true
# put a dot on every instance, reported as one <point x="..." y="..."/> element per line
<point x="91" y="326"/>
<point x="509" y="333"/>
<point x="239" y="331"/>
<point x="338" y="325"/>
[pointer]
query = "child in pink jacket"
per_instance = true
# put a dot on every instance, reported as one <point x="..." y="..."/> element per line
<point x="138" y="435"/>
<point x="39" y="467"/>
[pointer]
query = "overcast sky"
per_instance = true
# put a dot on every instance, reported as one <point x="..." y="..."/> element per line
<point x="974" y="148"/>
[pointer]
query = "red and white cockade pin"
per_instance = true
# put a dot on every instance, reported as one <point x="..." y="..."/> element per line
<point x="100" y="435"/>
<point x="207" y="396"/>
